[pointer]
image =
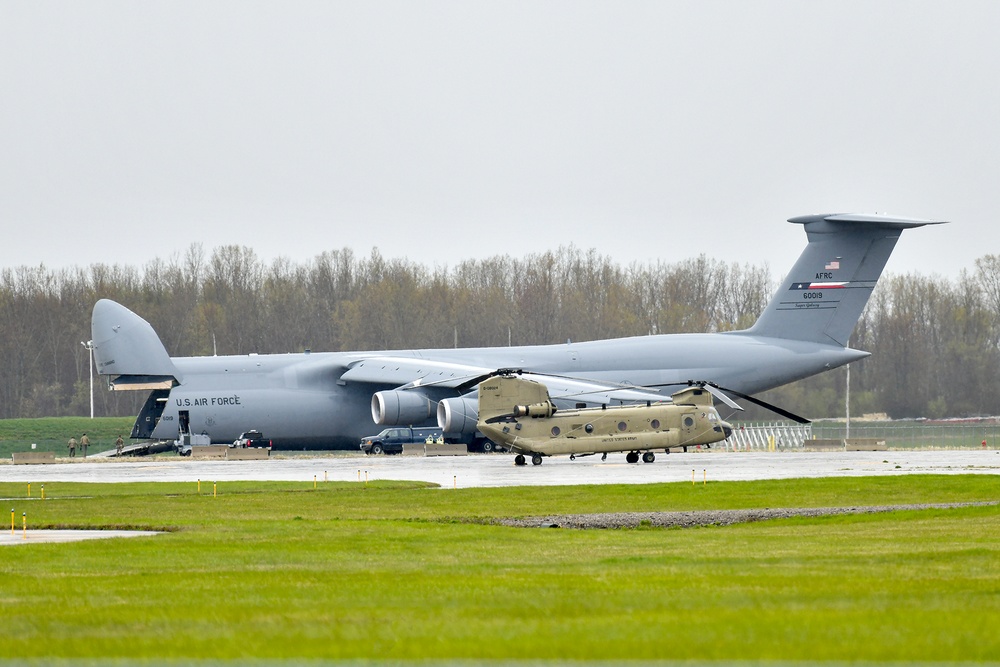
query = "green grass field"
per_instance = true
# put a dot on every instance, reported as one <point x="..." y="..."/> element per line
<point x="51" y="434"/>
<point x="395" y="571"/>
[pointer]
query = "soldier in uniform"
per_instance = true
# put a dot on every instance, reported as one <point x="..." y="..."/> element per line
<point x="72" y="447"/>
<point x="84" y="443"/>
<point x="119" y="444"/>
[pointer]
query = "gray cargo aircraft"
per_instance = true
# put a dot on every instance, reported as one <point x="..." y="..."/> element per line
<point x="330" y="400"/>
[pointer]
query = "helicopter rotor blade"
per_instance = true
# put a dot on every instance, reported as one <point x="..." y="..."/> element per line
<point x="721" y="392"/>
<point x="764" y="404"/>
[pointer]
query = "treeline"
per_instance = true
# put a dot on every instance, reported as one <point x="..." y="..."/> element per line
<point x="934" y="341"/>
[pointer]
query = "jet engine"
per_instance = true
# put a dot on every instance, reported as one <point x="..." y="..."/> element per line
<point x="458" y="415"/>
<point x="392" y="408"/>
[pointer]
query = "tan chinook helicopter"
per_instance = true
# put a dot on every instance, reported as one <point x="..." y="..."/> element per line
<point x="519" y="414"/>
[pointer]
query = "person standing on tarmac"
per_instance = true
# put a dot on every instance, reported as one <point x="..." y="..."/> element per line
<point x="72" y="447"/>
<point x="119" y="444"/>
<point x="84" y="443"/>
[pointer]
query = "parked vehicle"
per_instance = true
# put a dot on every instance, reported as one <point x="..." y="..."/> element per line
<point x="252" y="438"/>
<point x="184" y="444"/>
<point x="391" y="440"/>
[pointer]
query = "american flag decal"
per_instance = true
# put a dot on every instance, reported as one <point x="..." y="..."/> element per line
<point x="833" y="266"/>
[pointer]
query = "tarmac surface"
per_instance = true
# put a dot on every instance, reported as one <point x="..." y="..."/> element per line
<point x="486" y="470"/>
<point x="20" y="536"/>
<point x="492" y="470"/>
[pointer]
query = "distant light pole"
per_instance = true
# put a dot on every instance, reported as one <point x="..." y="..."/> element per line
<point x="90" y="347"/>
<point x="847" y="404"/>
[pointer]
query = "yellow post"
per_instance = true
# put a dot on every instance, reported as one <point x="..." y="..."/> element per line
<point x="11" y="520"/>
<point x="43" y="492"/>
<point x="199" y="487"/>
<point x="692" y="476"/>
<point x="366" y="478"/>
<point x="314" y="481"/>
<point x="24" y="525"/>
<point x="359" y="475"/>
<point x="454" y="481"/>
<point x="215" y="488"/>
<point x="325" y="477"/>
<point x="704" y="477"/>
<point x="29" y="489"/>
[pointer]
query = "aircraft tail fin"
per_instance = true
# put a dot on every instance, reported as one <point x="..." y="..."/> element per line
<point x="127" y="348"/>
<point x="824" y="294"/>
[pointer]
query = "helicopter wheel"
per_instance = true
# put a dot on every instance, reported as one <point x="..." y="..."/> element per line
<point x="536" y="460"/>
<point x="519" y="460"/>
<point x="632" y="457"/>
<point x="648" y="457"/>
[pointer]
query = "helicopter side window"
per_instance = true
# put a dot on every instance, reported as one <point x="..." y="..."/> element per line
<point x="555" y="431"/>
<point x="589" y="428"/>
<point x="622" y="426"/>
<point x="655" y="424"/>
<point x="689" y="421"/>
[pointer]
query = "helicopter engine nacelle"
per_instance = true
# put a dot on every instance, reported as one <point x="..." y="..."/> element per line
<point x="393" y="408"/>
<point x="458" y="415"/>
<point x="545" y="409"/>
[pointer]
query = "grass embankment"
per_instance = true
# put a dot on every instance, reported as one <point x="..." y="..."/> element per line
<point x="387" y="571"/>
<point x="51" y="434"/>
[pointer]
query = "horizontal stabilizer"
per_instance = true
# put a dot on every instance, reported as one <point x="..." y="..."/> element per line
<point x="137" y="382"/>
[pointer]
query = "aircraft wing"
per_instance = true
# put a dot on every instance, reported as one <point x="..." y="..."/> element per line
<point x="571" y="390"/>
<point x="411" y="372"/>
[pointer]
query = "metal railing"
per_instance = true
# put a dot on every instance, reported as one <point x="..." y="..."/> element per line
<point x="767" y="437"/>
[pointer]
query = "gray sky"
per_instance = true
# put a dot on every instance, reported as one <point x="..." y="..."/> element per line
<point x="442" y="131"/>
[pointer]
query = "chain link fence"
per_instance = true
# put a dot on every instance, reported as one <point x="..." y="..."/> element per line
<point x="916" y="434"/>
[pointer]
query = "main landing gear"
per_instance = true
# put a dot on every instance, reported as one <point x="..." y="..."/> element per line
<point x="633" y="457"/>
<point x="536" y="460"/>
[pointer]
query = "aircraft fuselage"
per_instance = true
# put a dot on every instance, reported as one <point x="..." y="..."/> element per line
<point x="300" y="399"/>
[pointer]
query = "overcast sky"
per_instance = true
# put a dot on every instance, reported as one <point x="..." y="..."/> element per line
<point x="442" y="131"/>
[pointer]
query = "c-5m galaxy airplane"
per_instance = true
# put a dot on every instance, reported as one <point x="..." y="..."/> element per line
<point x="330" y="400"/>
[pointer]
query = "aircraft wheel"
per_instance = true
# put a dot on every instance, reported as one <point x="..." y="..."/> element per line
<point x="519" y="460"/>
<point x="648" y="457"/>
<point x="377" y="449"/>
<point x="487" y="447"/>
<point x="536" y="459"/>
<point x="632" y="457"/>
